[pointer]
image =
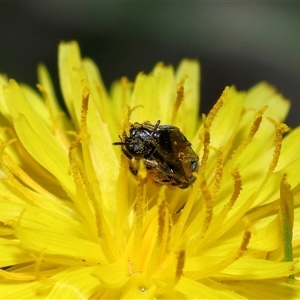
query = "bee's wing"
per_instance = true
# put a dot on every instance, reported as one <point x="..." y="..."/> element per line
<point x="187" y="170"/>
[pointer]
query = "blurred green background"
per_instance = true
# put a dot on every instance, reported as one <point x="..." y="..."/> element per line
<point x="238" y="43"/>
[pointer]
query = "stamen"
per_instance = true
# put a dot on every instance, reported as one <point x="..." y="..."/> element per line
<point x="179" y="98"/>
<point x="38" y="262"/>
<point x="280" y="129"/>
<point x="82" y="198"/>
<point x="126" y="122"/>
<point x="232" y="257"/>
<point x="84" y="108"/>
<point x="122" y="199"/>
<point x="14" y="181"/>
<point x="286" y="219"/>
<point x="131" y="110"/>
<point x="254" y="128"/>
<point x="218" y="172"/>
<point x="205" y="133"/>
<point x="180" y="264"/>
<point x="219" y="219"/>
<point x="214" y="111"/>
<point x="126" y="84"/>
<point x="237" y="188"/>
<point x="24" y="177"/>
<point x="163" y="224"/>
<point x="243" y="246"/>
<point x="206" y="142"/>
<point x="139" y="208"/>
<point x="140" y="201"/>
<point x="159" y="252"/>
<point x="85" y="198"/>
<point x="209" y="203"/>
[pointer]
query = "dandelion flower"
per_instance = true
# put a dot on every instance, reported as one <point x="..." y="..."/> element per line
<point x="76" y="224"/>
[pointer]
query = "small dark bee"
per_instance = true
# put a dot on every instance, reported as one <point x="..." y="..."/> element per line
<point x="164" y="150"/>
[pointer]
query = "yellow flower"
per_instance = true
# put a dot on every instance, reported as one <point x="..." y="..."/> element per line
<point x="76" y="224"/>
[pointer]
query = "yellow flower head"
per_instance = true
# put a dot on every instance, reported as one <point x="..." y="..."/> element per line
<point x="76" y="224"/>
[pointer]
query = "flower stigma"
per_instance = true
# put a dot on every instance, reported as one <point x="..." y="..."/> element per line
<point x="75" y="223"/>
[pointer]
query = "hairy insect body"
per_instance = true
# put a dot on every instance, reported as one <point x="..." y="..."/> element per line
<point x="165" y="152"/>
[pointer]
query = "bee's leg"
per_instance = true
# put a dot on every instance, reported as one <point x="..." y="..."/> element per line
<point x="126" y="153"/>
<point x="134" y="166"/>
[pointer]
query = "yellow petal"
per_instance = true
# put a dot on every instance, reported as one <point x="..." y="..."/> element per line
<point x="145" y="93"/>
<point x="59" y="247"/>
<point x="246" y="268"/>
<point x="266" y="239"/>
<point x="113" y="275"/>
<point x="28" y="290"/>
<point x="58" y="116"/>
<point x="189" y="110"/>
<point x="38" y="142"/>
<point x="68" y="62"/>
<point x="165" y="80"/>
<point x="222" y="130"/>
<point x="3" y="106"/>
<point x="74" y="283"/>
<point x="12" y="254"/>
<point x="196" y="290"/>
<point x="267" y="289"/>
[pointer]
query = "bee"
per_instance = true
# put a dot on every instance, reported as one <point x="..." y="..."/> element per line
<point x="166" y="153"/>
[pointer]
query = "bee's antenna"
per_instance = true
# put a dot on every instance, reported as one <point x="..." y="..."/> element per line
<point x="119" y="143"/>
